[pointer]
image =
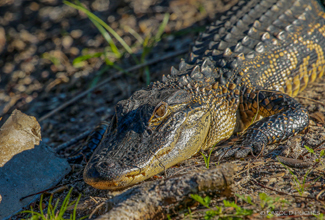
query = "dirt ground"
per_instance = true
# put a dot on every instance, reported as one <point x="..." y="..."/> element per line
<point x="39" y="41"/>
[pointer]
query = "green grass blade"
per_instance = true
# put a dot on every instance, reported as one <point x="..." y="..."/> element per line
<point x="134" y="34"/>
<point x="147" y="73"/>
<point x="161" y="28"/>
<point x="65" y="204"/>
<point x="76" y="62"/>
<point x="75" y="208"/>
<point x="50" y="209"/>
<point x="41" y="206"/>
<point x="56" y="205"/>
<point x="107" y="38"/>
<point x="205" y="160"/>
<point x="102" y="23"/>
<point x="97" y="77"/>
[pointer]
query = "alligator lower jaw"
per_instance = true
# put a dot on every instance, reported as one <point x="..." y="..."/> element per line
<point x="119" y="184"/>
<point x="104" y="185"/>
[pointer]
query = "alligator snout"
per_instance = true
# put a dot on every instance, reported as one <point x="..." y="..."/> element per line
<point x="102" y="175"/>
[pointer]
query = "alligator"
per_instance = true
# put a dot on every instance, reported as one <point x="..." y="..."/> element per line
<point x="240" y="76"/>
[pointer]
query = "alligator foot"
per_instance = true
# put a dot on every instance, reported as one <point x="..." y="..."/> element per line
<point x="283" y="117"/>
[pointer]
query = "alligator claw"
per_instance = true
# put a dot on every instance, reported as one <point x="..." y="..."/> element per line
<point x="241" y="150"/>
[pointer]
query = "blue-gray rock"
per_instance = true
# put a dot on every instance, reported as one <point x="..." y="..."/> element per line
<point x="25" y="168"/>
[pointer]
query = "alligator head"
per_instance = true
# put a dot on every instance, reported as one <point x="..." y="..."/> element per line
<point x="151" y="131"/>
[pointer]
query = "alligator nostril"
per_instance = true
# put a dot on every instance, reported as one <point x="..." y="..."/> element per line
<point x="105" y="165"/>
<point x="91" y="174"/>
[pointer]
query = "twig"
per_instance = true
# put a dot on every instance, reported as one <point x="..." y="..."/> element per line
<point x="96" y="209"/>
<point x="319" y="194"/>
<point x="280" y="192"/>
<point x="72" y="141"/>
<point x="313" y="100"/>
<point x="292" y="216"/>
<point x="294" y="163"/>
<point x="118" y="74"/>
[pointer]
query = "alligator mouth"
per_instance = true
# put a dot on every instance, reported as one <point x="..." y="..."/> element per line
<point x="93" y="178"/>
<point x="125" y="179"/>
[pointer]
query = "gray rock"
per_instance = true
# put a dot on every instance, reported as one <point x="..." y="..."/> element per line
<point x="19" y="133"/>
<point x="26" y="173"/>
<point x="25" y="169"/>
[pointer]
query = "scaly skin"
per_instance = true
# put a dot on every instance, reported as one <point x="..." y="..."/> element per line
<point x="252" y="61"/>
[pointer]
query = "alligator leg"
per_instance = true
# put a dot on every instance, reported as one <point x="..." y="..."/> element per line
<point x="282" y="116"/>
<point x="93" y="141"/>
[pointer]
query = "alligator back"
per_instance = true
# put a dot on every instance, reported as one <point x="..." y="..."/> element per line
<point x="276" y="44"/>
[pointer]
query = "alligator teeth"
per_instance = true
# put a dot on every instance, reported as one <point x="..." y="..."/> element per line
<point x="173" y="71"/>
<point x="196" y="73"/>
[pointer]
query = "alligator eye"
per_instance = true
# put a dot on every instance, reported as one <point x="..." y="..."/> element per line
<point x="161" y="110"/>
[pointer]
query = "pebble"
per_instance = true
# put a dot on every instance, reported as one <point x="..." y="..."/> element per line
<point x="67" y="42"/>
<point x="2" y="39"/>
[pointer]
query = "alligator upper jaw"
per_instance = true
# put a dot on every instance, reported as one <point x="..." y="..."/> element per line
<point x="93" y="178"/>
